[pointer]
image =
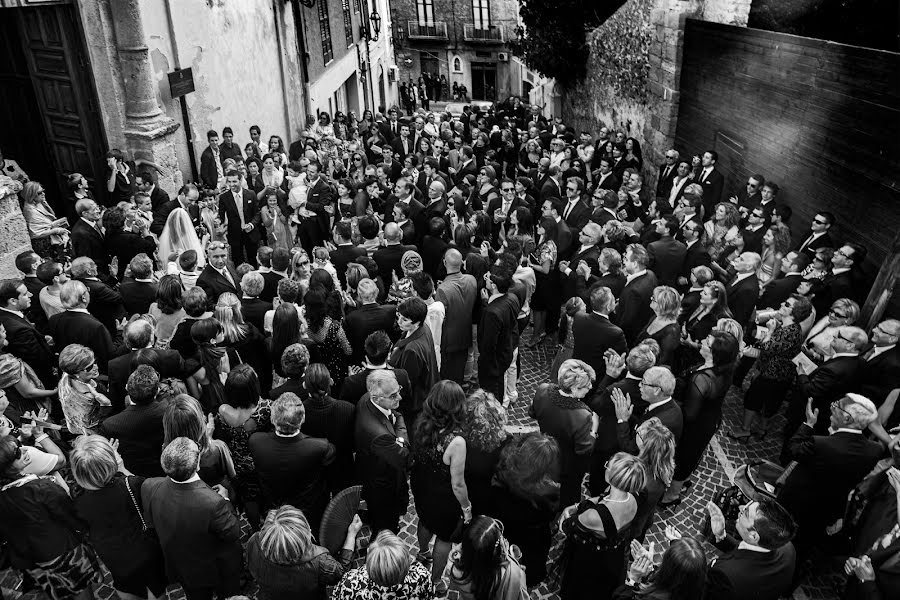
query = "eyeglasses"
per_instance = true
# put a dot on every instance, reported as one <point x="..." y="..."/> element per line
<point x="645" y="384"/>
<point x="508" y="190"/>
<point x="217" y="246"/>
<point x="837" y="314"/>
<point x="90" y="367"/>
<point x="572" y="189"/>
<point x="670" y="157"/>
<point x="836" y="405"/>
<point x="820" y="221"/>
<point x="842" y="253"/>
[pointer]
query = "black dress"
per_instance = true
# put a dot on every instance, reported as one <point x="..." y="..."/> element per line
<point x="480" y="468"/>
<point x="528" y="525"/>
<point x="436" y="505"/>
<point x="702" y="408"/>
<point x="593" y="562"/>
<point x="669" y="339"/>
<point x="134" y="558"/>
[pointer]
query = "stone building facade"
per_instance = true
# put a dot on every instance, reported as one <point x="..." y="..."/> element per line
<point x="464" y="40"/>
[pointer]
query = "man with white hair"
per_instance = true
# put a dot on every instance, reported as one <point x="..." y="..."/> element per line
<point x="828" y="466"/>
<point x="77" y="326"/>
<point x="657" y="386"/>
<point x="382" y="451"/>
<point x="367" y="318"/>
<point x="743" y="291"/>
<point x="198" y="530"/>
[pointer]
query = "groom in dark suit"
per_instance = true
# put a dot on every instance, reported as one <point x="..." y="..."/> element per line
<point x="382" y="451"/>
<point x="238" y="207"/>
<point x="186" y="199"/>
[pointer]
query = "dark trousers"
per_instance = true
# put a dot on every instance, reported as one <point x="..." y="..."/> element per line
<point x="492" y="384"/>
<point x="309" y="235"/>
<point x="453" y="365"/>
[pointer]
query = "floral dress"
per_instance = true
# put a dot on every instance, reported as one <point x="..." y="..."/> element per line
<point x="12" y="371"/>
<point x="356" y="585"/>
<point x="237" y="439"/>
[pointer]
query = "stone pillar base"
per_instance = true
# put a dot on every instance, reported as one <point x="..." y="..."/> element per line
<point x="154" y="140"/>
<point x="14" y="237"/>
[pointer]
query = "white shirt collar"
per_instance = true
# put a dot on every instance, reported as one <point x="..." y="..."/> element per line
<point x="656" y="404"/>
<point x="845" y="430"/>
<point x="876" y="350"/>
<point x="495" y="296"/>
<point x="287" y="435"/>
<point x="691" y="243"/>
<point x="604" y="315"/>
<point x="191" y="479"/>
<point x="631" y="278"/>
<point x="91" y="223"/>
<point x="839" y="270"/>
<point x="839" y="354"/>
<point x="81" y="310"/>
<point x="148" y="280"/>
<point x="741" y="277"/>
<point x="15" y="312"/>
<point x="753" y="547"/>
<point x="381" y="409"/>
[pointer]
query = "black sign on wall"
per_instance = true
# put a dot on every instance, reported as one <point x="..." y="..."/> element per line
<point x="181" y="82"/>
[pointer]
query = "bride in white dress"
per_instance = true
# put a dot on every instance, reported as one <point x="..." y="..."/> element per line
<point x="179" y="235"/>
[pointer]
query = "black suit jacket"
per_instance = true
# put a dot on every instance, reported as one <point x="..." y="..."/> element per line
<point x="742" y="297"/>
<point x="35" y="312"/>
<point x="27" y="343"/>
<point x="828" y="467"/>
<point x="633" y="310"/>
<point x="75" y="327"/>
<point x="842" y="285"/>
<point x="137" y="296"/>
<point x="293" y="470"/>
<point x="879" y="375"/>
<point x="214" y="284"/>
<point x="550" y="189"/>
<point x="106" y="304"/>
<point x="158" y="197"/>
<point x="594" y="335"/>
<point x="254" y="311"/>
<point x="829" y="382"/>
<point x="610" y="183"/>
<point x="564" y="240"/>
<point x="168" y="363"/>
<point x="779" y="290"/>
<point x="713" y="185"/>
<point x="432" y="251"/>
<point x="354" y="387"/>
<point x="667" y="257"/>
<point x="664" y="183"/>
<point x="823" y="241"/>
<point x="343" y="256"/>
<point x="270" y="286"/>
<point x="570" y="282"/>
<point x="365" y="320"/>
<point x="87" y="241"/>
<point x="209" y="172"/>
<point x="318" y="197"/>
<point x="228" y="209"/>
<point x="162" y="215"/>
<point x="381" y="462"/>
<point x="578" y="216"/>
<point x="584" y="289"/>
<point x="753" y="239"/>
<point x="139" y="430"/>
<point x="498" y="336"/>
<point x="388" y="259"/>
<point x="695" y="255"/>
<point x="199" y="533"/>
<point x="397" y="147"/>
<point x="742" y="574"/>
<point x="125" y="245"/>
<point x="470" y="169"/>
<point x="669" y="414"/>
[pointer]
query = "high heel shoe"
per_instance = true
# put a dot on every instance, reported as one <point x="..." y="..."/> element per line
<point x="534" y="343"/>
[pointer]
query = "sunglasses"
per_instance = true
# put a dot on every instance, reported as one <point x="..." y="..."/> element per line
<point x="837" y="314"/>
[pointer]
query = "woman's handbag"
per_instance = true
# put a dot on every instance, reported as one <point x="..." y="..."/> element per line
<point x="148" y="531"/>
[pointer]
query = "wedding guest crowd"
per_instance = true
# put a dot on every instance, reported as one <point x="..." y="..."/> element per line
<point x="350" y="308"/>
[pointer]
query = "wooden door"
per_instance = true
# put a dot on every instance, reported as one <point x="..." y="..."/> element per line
<point x="64" y="89"/>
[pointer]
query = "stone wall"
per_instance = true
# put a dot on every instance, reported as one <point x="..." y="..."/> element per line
<point x="634" y="70"/>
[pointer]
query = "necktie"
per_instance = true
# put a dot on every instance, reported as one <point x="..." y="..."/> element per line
<point x="667" y="171"/>
<point x="869" y="355"/>
<point x="239" y="203"/>
<point x="806" y="243"/>
<point x="569" y="209"/>
<point x="393" y="419"/>
<point x="227" y="276"/>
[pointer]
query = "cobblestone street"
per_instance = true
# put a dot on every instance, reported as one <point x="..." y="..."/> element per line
<point x="722" y="458"/>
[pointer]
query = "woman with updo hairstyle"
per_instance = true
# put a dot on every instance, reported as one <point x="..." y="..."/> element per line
<point x="680" y="576"/>
<point x="215" y="362"/>
<point x="110" y="505"/>
<point x="525" y="497"/>
<point x="561" y="412"/>
<point x="83" y="406"/>
<point x="332" y="420"/>
<point x="286" y="562"/>
<point x="485" y="566"/>
<point x="598" y="531"/>
<point x="184" y="418"/>
<point x="656" y="446"/>
<point x="389" y="574"/>
<point x="242" y="414"/>
<point x="167" y="310"/>
<point x="702" y="396"/>
<point x="437" y="479"/>
<point x="42" y="530"/>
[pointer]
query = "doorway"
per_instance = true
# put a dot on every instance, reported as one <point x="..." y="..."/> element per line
<point x="49" y="120"/>
<point x="484" y="81"/>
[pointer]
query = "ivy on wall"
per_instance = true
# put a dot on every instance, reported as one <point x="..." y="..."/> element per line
<point x="620" y="51"/>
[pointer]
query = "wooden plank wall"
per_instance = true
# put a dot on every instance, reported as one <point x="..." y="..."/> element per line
<point x="820" y="119"/>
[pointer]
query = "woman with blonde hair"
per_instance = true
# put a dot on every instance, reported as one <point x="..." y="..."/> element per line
<point x="656" y="444"/>
<point x="721" y="230"/>
<point x="110" y="505"/>
<point x="817" y="345"/>
<point x="286" y="562"/>
<point x="484" y="427"/>
<point x="560" y="411"/>
<point x="244" y="338"/>
<point x="598" y="531"/>
<point x="83" y="405"/>
<point x="389" y="574"/>
<point x="49" y="235"/>
<point x="664" y="327"/>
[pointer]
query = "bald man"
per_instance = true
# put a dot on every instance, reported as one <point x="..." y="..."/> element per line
<point x="458" y="292"/>
<point x="389" y="256"/>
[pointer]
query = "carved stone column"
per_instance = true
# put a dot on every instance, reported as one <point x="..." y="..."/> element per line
<point x="149" y="132"/>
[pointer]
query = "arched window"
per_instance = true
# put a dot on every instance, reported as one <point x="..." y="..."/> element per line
<point x="457" y="64"/>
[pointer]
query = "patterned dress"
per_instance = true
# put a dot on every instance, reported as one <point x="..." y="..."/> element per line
<point x="332" y="349"/>
<point x="237" y="439"/>
<point x="356" y="585"/>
